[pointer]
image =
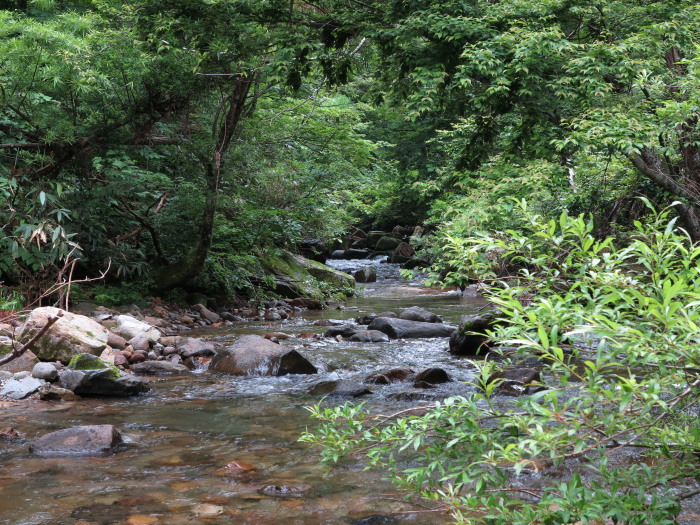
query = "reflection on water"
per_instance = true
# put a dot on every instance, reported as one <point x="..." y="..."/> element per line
<point x="188" y="429"/>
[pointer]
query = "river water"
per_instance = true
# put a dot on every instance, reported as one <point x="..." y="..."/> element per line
<point x="188" y="428"/>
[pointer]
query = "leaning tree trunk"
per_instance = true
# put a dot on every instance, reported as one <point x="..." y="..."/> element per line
<point x="234" y="107"/>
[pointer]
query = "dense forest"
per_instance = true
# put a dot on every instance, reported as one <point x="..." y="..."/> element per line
<point x="548" y="149"/>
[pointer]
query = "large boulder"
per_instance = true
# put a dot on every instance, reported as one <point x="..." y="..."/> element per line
<point x="368" y="274"/>
<point x="402" y="253"/>
<point x="416" y="313"/>
<point x="129" y="327"/>
<point x="469" y="338"/>
<point x="387" y="244"/>
<point x="87" y="440"/>
<point x="253" y="355"/>
<point x="72" y="334"/>
<point x="405" y="329"/>
<point x="108" y="383"/>
<point x="297" y="276"/>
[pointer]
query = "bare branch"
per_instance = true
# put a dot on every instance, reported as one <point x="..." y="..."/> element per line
<point x="29" y="344"/>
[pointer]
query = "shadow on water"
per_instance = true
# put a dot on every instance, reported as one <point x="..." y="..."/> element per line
<point x="184" y="434"/>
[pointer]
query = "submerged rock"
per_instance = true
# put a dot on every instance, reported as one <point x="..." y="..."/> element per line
<point x="86" y="440"/>
<point x="433" y="376"/>
<point x="72" y="334"/>
<point x="405" y="329"/>
<point x="253" y="355"/>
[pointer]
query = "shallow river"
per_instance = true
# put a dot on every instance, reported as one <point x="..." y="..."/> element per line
<point x="187" y="429"/>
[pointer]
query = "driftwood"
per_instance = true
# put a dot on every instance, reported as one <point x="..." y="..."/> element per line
<point x="16" y="352"/>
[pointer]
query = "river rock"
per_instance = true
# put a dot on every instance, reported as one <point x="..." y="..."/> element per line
<point x="21" y="388"/>
<point x="433" y="376"/>
<point x="346" y="331"/>
<point x="464" y="342"/>
<point x="86" y="440"/>
<point x="49" y="392"/>
<point x="405" y="329"/>
<point x="108" y="383"/>
<point x="140" y="342"/>
<point x="191" y="347"/>
<point x="129" y="327"/>
<point x="369" y="336"/>
<point x="514" y="381"/>
<point x="368" y="274"/>
<point x="416" y="313"/>
<point x="387" y="244"/>
<point x="45" y="371"/>
<point x="207" y="314"/>
<point x="253" y="355"/>
<point x="71" y="334"/>
<point x="402" y="253"/>
<point x="355" y="253"/>
<point x="116" y="341"/>
<point x="307" y="302"/>
<point x="339" y="388"/>
<point x="366" y="319"/>
<point x="158" y="368"/>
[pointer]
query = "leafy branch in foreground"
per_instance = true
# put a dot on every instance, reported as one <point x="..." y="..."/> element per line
<point x="613" y="435"/>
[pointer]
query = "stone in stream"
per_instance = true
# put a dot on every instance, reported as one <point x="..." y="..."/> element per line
<point x="387" y="244"/>
<point x="368" y="274"/>
<point x="402" y="253"/>
<point x="433" y="376"/>
<point x="72" y="334"/>
<point x="339" y="388"/>
<point x="253" y="355"/>
<point x="346" y="331"/>
<point x="416" y="313"/>
<point x="468" y="338"/>
<point x="45" y="371"/>
<point x="191" y="347"/>
<point x="49" y="392"/>
<point x="85" y="440"/>
<point x="514" y="381"/>
<point x="207" y="314"/>
<point x="369" y="336"/>
<point x="405" y="329"/>
<point x="158" y="368"/>
<point x="21" y="388"/>
<point x="108" y="382"/>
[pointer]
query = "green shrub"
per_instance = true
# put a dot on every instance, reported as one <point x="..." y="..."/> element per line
<point x="616" y="330"/>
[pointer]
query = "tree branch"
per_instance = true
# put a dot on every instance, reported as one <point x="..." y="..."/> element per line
<point x="16" y="352"/>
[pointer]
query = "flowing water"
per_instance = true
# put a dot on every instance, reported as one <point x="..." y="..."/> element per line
<point x="187" y="429"/>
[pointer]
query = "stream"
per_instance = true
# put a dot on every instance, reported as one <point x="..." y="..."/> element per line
<point x="183" y="434"/>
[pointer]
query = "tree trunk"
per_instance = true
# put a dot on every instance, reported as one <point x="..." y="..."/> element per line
<point x="233" y="108"/>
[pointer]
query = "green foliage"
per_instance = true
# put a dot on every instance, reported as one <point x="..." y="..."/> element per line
<point x="121" y="294"/>
<point x="615" y="328"/>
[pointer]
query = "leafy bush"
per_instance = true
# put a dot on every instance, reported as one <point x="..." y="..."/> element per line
<point x="614" y="425"/>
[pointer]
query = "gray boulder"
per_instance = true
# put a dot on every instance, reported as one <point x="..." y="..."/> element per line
<point x="253" y="355"/>
<point x="416" y="313"/>
<point x="191" y="347"/>
<point x="346" y="331"/>
<point x="369" y="336"/>
<point x="368" y="274"/>
<point x="405" y="329"/>
<point x="207" y="314"/>
<point x="21" y="388"/>
<point x="469" y="338"/>
<point x="71" y="334"/>
<point x="45" y="371"/>
<point x="102" y="383"/>
<point x="87" y="440"/>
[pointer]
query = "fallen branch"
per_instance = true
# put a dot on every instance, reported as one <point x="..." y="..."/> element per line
<point x="16" y="352"/>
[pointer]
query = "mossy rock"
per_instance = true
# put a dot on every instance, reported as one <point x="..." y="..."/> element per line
<point x="301" y="277"/>
<point x="91" y="362"/>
